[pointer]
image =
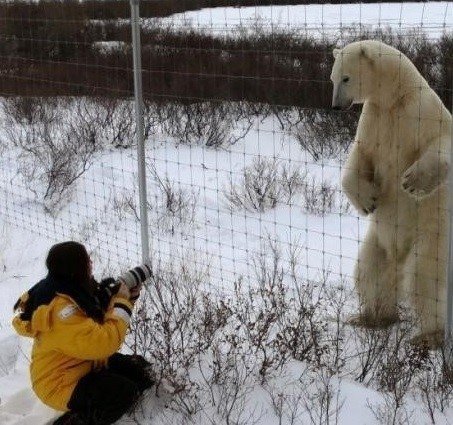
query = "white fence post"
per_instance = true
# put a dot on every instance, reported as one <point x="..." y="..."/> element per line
<point x="449" y="320"/>
<point x="136" y="47"/>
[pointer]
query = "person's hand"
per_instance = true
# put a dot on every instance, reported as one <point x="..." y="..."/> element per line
<point x="124" y="292"/>
<point x="135" y="291"/>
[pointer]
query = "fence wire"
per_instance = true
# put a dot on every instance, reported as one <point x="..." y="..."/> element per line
<point x="243" y="149"/>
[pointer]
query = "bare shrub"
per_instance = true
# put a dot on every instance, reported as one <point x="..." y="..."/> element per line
<point x="395" y="373"/>
<point x="214" y="350"/>
<point x="400" y="361"/>
<point x="177" y="327"/>
<point x="205" y="123"/>
<point x="165" y="330"/>
<point x="319" y="198"/>
<point x="265" y="184"/>
<point x="257" y="317"/>
<point x="124" y="204"/>
<point x="292" y="180"/>
<point x="326" y="134"/>
<point x="286" y="404"/>
<point x="170" y="208"/>
<point x="228" y="380"/>
<point x="58" y="138"/>
<point x="391" y="412"/>
<point x="174" y="206"/>
<point x="116" y="118"/>
<point x="322" y="401"/>
<point x="154" y="116"/>
<point x="434" y="384"/>
<point x="337" y="298"/>
<point x="85" y="231"/>
<point x="283" y="316"/>
<point x="188" y="63"/>
<point x="370" y="346"/>
<point x="323" y="133"/>
<point x="54" y="150"/>
<point x="259" y="190"/>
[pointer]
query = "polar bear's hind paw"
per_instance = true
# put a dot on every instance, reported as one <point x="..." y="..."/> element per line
<point x="431" y="340"/>
<point x="372" y="322"/>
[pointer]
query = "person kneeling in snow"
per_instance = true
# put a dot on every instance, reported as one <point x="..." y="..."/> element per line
<point x="74" y="365"/>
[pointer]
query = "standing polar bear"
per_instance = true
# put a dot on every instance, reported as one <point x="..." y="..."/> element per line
<point x="396" y="173"/>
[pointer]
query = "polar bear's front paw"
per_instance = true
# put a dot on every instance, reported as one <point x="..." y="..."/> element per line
<point x="369" y="204"/>
<point x="417" y="182"/>
<point x="365" y="199"/>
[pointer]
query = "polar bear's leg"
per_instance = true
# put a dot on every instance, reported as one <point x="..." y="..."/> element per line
<point x="376" y="283"/>
<point x="426" y="271"/>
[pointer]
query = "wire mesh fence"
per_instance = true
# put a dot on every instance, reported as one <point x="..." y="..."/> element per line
<point x="244" y="154"/>
<point x="234" y="97"/>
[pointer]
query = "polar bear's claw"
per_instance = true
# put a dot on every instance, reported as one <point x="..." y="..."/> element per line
<point x="418" y="183"/>
<point x="372" y="206"/>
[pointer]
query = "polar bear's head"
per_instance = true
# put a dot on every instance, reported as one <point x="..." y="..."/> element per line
<point x="367" y="69"/>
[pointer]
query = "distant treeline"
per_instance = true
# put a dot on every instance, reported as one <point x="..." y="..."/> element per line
<point x="58" y="48"/>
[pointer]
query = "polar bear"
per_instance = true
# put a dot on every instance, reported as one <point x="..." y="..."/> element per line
<point x="396" y="173"/>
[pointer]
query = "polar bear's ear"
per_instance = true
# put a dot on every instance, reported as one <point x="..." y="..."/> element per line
<point x="365" y="53"/>
<point x="336" y="52"/>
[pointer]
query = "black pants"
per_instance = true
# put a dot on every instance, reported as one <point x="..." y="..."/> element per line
<point x="102" y="397"/>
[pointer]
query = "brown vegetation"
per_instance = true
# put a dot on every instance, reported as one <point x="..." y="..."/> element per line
<point x="49" y="48"/>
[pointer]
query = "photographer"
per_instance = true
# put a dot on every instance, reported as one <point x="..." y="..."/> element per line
<point x="77" y="326"/>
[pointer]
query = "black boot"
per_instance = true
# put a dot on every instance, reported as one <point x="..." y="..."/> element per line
<point x="71" y="418"/>
<point x="149" y="376"/>
<point x="134" y="367"/>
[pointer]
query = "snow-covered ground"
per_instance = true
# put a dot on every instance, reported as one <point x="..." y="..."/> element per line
<point x="223" y="240"/>
<point x="434" y="18"/>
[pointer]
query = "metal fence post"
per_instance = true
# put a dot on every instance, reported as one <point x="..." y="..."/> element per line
<point x="136" y="47"/>
<point x="449" y="320"/>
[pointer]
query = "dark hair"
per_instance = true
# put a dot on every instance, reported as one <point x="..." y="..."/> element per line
<point x="69" y="261"/>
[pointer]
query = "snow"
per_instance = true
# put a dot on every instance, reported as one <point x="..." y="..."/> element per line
<point x="24" y="409"/>
<point x="225" y="240"/>
<point x="434" y="18"/>
<point x="106" y="47"/>
<point x="222" y="239"/>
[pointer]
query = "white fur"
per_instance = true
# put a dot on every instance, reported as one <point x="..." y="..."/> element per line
<point x="396" y="172"/>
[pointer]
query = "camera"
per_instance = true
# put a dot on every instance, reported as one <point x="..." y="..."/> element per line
<point x="109" y="287"/>
<point x="135" y="276"/>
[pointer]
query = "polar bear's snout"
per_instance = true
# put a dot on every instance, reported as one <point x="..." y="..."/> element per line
<point x="335" y="103"/>
<point x="339" y="100"/>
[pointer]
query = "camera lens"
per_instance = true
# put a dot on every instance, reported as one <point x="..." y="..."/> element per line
<point x="136" y="276"/>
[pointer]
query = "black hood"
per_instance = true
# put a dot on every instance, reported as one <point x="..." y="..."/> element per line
<point x="45" y="291"/>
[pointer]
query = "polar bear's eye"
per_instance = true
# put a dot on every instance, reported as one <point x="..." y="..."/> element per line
<point x="345" y="79"/>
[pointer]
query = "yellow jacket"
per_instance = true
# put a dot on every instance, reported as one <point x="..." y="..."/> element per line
<point x="68" y="344"/>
